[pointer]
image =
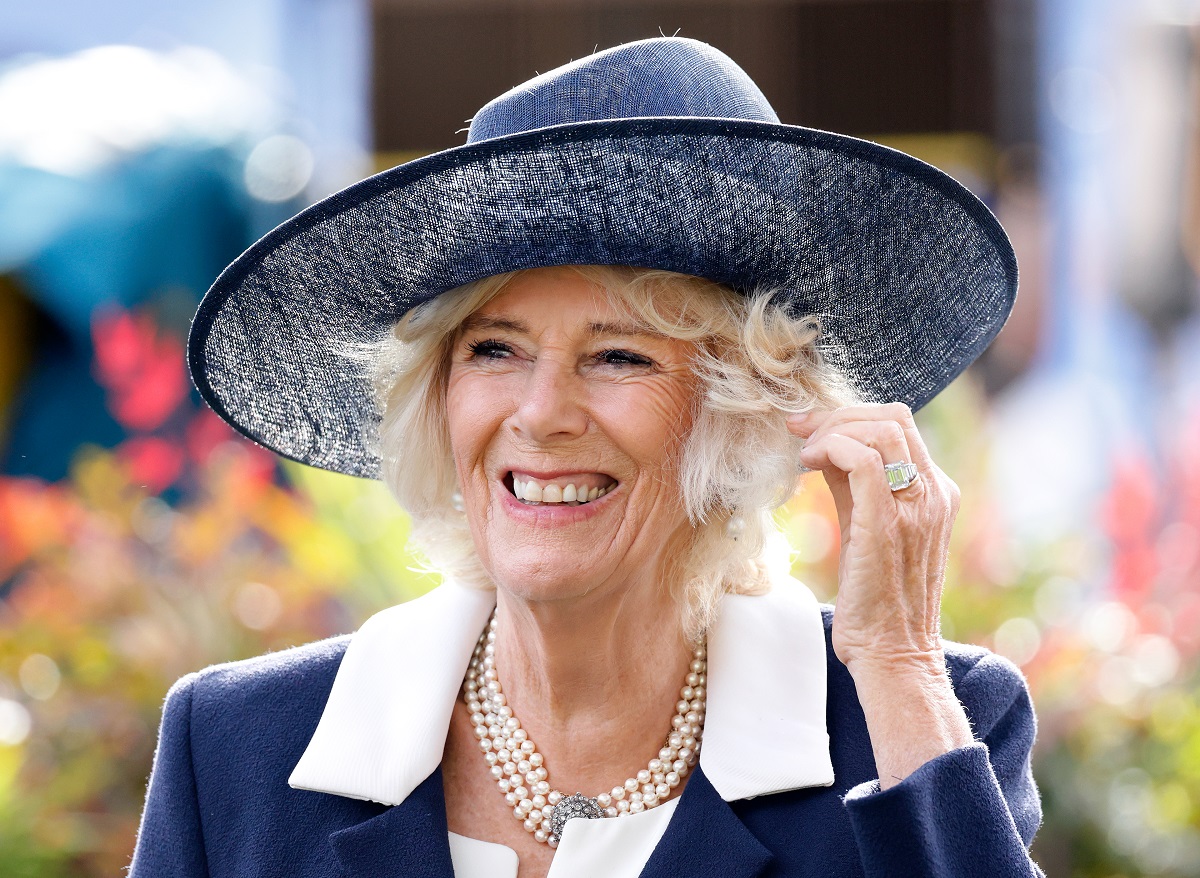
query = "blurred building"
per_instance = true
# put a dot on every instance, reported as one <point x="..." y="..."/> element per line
<point x="861" y="67"/>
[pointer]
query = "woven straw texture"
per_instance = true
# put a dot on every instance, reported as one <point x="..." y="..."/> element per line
<point x="596" y="163"/>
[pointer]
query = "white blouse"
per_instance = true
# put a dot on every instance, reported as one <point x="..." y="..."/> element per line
<point x="384" y="727"/>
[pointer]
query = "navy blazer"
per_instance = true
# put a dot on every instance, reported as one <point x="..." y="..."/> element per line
<point x="219" y="803"/>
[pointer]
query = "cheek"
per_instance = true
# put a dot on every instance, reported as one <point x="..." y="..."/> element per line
<point x="472" y="418"/>
<point x="653" y="426"/>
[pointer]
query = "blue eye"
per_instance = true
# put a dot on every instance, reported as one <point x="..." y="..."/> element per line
<point x="623" y="358"/>
<point x="489" y="349"/>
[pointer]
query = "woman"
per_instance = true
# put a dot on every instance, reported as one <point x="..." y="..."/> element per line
<point x="591" y="454"/>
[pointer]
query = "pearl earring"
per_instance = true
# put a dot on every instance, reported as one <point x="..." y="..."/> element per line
<point x="456" y="500"/>
<point x="735" y="527"/>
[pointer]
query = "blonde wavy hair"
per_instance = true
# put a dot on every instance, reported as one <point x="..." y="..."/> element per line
<point x="756" y="364"/>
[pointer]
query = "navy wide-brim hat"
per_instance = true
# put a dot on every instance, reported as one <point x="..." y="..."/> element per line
<point x="657" y="154"/>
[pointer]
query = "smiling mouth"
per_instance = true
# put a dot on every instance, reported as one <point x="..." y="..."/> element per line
<point x="572" y="490"/>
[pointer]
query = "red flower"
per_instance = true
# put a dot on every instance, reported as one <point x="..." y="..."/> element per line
<point x="150" y="462"/>
<point x="142" y="370"/>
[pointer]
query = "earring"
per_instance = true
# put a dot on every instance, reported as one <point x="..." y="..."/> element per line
<point x="735" y="527"/>
<point x="456" y="500"/>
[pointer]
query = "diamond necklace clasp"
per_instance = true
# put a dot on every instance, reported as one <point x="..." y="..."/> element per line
<point x="570" y="807"/>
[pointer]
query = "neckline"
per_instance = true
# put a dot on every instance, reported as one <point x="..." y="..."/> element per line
<point x="384" y="726"/>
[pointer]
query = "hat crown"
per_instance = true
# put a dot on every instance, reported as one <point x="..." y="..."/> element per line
<point x="665" y="77"/>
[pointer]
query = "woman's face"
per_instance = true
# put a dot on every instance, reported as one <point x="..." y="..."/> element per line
<point x="554" y="396"/>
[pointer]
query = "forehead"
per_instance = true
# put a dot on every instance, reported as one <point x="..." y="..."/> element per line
<point x="556" y="297"/>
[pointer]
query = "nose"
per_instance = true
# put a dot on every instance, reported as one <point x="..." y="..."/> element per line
<point x="551" y="406"/>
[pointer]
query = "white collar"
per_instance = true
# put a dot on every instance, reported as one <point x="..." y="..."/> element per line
<point x="384" y="727"/>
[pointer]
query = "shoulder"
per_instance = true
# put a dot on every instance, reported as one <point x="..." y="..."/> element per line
<point x="993" y="691"/>
<point x="289" y="675"/>
<point x="231" y="737"/>
<point x="274" y="699"/>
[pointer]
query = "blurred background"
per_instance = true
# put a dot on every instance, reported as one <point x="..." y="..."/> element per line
<point x="143" y="145"/>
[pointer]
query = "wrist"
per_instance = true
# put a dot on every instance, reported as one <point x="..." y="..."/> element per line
<point x="911" y="710"/>
<point x="889" y="667"/>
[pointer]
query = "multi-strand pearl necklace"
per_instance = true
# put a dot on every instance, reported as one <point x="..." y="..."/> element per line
<point x="519" y="768"/>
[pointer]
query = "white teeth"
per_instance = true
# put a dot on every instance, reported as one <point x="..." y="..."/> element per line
<point x="532" y="492"/>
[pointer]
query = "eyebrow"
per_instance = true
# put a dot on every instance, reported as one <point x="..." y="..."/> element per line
<point x="615" y="328"/>
<point x="477" y="322"/>
<point x="481" y="322"/>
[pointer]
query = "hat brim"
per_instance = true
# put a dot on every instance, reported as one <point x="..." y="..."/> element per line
<point x="910" y="272"/>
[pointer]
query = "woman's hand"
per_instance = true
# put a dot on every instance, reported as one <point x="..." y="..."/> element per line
<point x="890" y="579"/>
<point x="894" y="544"/>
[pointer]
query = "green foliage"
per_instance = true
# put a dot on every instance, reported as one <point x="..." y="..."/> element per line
<point x="113" y="593"/>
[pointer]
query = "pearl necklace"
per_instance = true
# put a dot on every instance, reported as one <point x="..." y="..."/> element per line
<point x="518" y="768"/>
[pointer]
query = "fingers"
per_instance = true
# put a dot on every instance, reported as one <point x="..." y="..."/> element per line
<point x="875" y="427"/>
<point x="886" y="437"/>
<point x="859" y="464"/>
<point x="895" y="430"/>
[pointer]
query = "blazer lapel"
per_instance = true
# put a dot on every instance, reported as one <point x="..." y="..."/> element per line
<point x="705" y="837"/>
<point x="409" y="839"/>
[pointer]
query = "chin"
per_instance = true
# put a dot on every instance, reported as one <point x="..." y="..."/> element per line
<point x="543" y="582"/>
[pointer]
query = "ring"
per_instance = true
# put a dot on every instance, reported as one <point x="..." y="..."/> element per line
<point x="900" y="475"/>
